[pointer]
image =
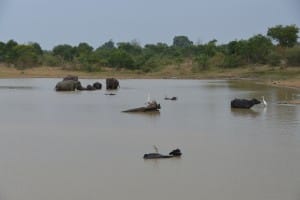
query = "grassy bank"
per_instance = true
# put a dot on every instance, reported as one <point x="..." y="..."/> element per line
<point x="287" y="77"/>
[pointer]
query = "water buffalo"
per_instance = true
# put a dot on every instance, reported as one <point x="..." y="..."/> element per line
<point x="90" y="87"/>
<point x="68" y="85"/>
<point x="112" y="84"/>
<point x="71" y="83"/>
<point x="70" y="77"/>
<point x="97" y="85"/>
<point x="244" y="103"/>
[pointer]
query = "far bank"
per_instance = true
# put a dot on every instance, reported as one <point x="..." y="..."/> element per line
<point x="280" y="77"/>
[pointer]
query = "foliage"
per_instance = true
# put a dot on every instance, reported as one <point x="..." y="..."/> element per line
<point x="258" y="49"/>
<point x="217" y="60"/>
<point x="202" y="61"/>
<point x="108" y="45"/>
<point x="182" y="41"/>
<point x="2" y="51"/>
<point x="26" y="56"/>
<point x="293" y="56"/>
<point x="65" y="52"/>
<point x="286" y="36"/>
<point x="10" y="53"/>
<point x="274" y="59"/>
<point x="50" y="60"/>
<point x="120" y="59"/>
<point x="231" y="61"/>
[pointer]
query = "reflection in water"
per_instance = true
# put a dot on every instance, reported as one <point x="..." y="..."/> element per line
<point x="244" y="112"/>
<point x="157" y="162"/>
<point x="17" y="87"/>
<point x="155" y="113"/>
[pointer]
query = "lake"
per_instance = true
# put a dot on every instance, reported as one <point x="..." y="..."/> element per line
<point x="79" y="145"/>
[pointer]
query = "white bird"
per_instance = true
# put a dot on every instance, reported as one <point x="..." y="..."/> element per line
<point x="263" y="101"/>
<point x="148" y="99"/>
<point x="155" y="148"/>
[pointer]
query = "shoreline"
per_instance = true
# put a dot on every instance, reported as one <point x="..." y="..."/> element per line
<point x="290" y="78"/>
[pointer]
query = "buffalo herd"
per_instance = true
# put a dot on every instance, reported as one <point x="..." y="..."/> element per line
<point x="71" y="83"/>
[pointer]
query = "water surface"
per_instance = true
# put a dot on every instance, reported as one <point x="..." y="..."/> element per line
<point x="79" y="145"/>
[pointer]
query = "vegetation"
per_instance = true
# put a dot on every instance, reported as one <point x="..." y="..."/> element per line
<point x="258" y="50"/>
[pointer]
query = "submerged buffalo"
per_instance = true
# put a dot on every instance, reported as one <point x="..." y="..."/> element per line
<point x="174" y="153"/>
<point x="244" y="103"/>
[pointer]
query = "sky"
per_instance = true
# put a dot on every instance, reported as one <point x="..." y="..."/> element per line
<point x="54" y="22"/>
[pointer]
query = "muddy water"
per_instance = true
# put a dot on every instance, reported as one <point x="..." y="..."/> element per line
<point x="78" y="145"/>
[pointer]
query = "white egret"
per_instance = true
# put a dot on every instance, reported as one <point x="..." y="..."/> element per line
<point x="263" y="101"/>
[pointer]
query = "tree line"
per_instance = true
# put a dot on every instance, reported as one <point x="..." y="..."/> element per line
<point x="278" y="47"/>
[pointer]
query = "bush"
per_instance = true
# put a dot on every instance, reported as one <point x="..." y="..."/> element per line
<point x="121" y="59"/>
<point x="231" y="61"/>
<point x="217" y="60"/>
<point x="151" y="65"/>
<point x="90" y="68"/>
<point x="50" y="60"/>
<point x="293" y="56"/>
<point x="274" y="59"/>
<point x="202" y="61"/>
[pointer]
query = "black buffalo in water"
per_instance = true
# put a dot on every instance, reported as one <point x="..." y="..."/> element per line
<point x="68" y="85"/>
<point x="244" y="103"/>
<point x="112" y="84"/>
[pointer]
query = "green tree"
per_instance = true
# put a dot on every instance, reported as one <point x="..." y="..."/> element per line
<point x="182" y="41"/>
<point x="108" y="45"/>
<point x="239" y="49"/>
<point x="37" y="48"/>
<point x="231" y="61"/>
<point x="210" y="48"/>
<point x="131" y="48"/>
<point x="49" y="59"/>
<point x="293" y="56"/>
<point x="26" y="56"/>
<point x="10" y="53"/>
<point x="120" y="59"/>
<point x="286" y="36"/>
<point x="65" y="52"/>
<point x="259" y="48"/>
<point x="2" y="51"/>
<point x="84" y="49"/>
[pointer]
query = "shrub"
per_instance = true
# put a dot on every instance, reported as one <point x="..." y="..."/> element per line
<point x="274" y="59"/>
<point x="293" y="56"/>
<point x="231" y="61"/>
<point x="217" y="60"/>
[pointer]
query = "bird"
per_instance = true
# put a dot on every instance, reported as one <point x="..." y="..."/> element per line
<point x="263" y="101"/>
<point x="155" y="148"/>
<point x="148" y="99"/>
